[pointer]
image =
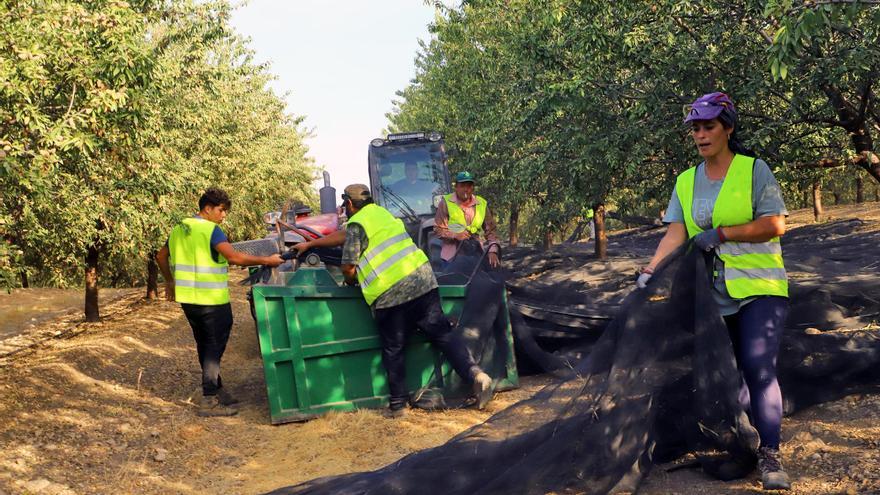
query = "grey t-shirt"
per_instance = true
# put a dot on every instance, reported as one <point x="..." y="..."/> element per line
<point x="766" y="201"/>
<point x="419" y="282"/>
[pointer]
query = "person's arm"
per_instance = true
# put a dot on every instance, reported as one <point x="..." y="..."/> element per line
<point x="165" y="268"/>
<point x="769" y="209"/>
<point x="243" y="259"/>
<point x="676" y="235"/>
<point x="758" y="230"/>
<point x="330" y="240"/>
<point x="350" y="273"/>
<point x="490" y="230"/>
<point x="354" y="242"/>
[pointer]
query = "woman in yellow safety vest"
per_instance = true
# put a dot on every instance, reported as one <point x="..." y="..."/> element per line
<point x="731" y="204"/>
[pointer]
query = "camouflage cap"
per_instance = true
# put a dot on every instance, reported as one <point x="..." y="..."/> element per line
<point x="356" y="191"/>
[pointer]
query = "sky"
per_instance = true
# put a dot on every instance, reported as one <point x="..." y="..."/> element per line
<point x="339" y="62"/>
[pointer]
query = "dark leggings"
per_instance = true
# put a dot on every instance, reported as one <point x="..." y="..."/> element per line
<point x="755" y="332"/>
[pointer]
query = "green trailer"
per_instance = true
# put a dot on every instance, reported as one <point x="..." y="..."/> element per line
<point x="321" y="351"/>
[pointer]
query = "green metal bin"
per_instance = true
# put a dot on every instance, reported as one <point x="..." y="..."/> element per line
<point x="321" y="350"/>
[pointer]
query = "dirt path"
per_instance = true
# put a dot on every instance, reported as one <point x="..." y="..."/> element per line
<point x="108" y="410"/>
<point x="25" y="309"/>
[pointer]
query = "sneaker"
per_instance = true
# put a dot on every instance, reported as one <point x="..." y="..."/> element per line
<point x="773" y="477"/>
<point x="483" y="389"/>
<point x="210" y="406"/>
<point x="225" y="397"/>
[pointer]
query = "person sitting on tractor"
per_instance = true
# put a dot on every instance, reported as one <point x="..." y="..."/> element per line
<point x="398" y="283"/>
<point x="463" y="215"/>
<point x="417" y="192"/>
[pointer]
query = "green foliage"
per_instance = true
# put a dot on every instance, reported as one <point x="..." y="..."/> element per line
<point x="557" y="104"/>
<point x="114" y="116"/>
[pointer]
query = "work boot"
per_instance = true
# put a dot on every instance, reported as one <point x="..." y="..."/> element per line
<point x="397" y="412"/>
<point x="397" y="407"/>
<point x="225" y="397"/>
<point x="772" y="475"/>
<point x="210" y="406"/>
<point x="482" y="389"/>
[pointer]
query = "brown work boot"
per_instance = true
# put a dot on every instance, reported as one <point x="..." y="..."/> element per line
<point x="483" y="389"/>
<point x="225" y="397"/>
<point x="773" y="477"/>
<point x="210" y="406"/>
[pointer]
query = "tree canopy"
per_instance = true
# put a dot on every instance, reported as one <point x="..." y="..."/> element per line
<point x="115" y="116"/>
<point x="560" y="105"/>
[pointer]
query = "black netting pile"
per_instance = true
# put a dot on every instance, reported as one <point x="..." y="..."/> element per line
<point x="480" y="324"/>
<point x="659" y="382"/>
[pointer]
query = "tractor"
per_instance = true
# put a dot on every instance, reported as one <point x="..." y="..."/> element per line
<point x="408" y="176"/>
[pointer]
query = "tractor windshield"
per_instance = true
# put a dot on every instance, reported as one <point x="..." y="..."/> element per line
<point x="409" y="177"/>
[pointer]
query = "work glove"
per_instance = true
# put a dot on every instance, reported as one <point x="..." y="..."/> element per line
<point x="644" y="275"/>
<point x="709" y="239"/>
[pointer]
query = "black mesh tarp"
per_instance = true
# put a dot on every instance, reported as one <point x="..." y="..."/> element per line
<point x="660" y="381"/>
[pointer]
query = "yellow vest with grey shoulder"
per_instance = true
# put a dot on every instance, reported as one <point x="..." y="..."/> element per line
<point x="750" y="268"/>
<point x="198" y="279"/>
<point x="391" y="254"/>
<point x="457" y="222"/>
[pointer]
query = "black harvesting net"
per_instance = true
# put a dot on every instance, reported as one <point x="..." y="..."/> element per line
<point x="661" y="381"/>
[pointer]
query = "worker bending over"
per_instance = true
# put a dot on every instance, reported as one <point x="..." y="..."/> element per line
<point x="398" y="283"/>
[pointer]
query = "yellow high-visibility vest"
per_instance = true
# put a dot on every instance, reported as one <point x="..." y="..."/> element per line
<point x="457" y="222"/>
<point x="198" y="279"/>
<point x="391" y="254"/>
<point x="750" y="268"/>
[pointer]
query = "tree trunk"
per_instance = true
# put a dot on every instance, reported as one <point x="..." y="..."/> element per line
<point x="860" y="190"/>
<point x="152" y="277"/>
<point x="514" y="226"/>
<point x="601" y="236"/>
<point x="817" y="200"/>
<point x="24" y="279"/>
<point x="805" y="199"/>
<point x="856" y="126"/>
<point x="92" y="273"/>
<point x="870" y="162"/>
<point x="836" y="196"/>
<point x="548" y="238"/>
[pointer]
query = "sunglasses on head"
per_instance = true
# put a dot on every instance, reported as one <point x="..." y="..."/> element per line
<point x="691" y="110"/>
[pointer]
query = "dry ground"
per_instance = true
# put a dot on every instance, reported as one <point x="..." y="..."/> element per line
<point x="106" y="408"/>
<point x="26" y="309"/>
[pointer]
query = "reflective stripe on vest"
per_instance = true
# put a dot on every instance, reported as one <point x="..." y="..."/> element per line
<point x="750" y="268"/>
<point x="391" y="254"/>
<point x="198" y="279"/>
<point x="457" y="221"/>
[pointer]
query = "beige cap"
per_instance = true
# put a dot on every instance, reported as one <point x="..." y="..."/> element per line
<point x="357" y="191"/>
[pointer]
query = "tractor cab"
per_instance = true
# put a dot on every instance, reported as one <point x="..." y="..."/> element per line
<point x="408" y="177"/>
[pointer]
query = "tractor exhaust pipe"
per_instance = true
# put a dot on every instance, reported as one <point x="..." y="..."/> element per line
<point x="327" y="195"/>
